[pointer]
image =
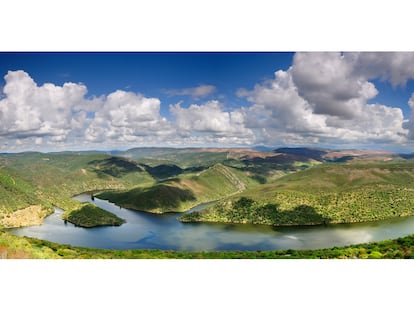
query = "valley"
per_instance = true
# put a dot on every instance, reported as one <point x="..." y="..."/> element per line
<point x="280" y="188"/>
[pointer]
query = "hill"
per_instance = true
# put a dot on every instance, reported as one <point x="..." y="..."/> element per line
<point x="180" y="193"/>
<point x="46" y="180"/>
<point x="329" y="193"/>
<point x="262" y="165"/>
<point x="169" y="179"/>
<point x="345" y="155"/>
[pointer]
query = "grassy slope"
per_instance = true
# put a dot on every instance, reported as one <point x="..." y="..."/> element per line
<point x="181" y="193"/>
<point x="20" y="204"/>
<point x="12" y="246"/>
<point x="15" y="192"/>
<point x="52" y="179"/>
<point x="339" y="193"/>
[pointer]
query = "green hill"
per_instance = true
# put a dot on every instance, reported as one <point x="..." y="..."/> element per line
<point x="284" y="188"/>
<point x="46" y="180"/>
<point x="181" y="193"/>
<point x="336" y="193"/>
<point x="20" y="204"/>
<point x="259" y="165"/>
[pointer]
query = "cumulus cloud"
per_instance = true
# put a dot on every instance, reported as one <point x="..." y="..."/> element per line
<point x="293" y="108"/>
<point x="125" y="116"/>
<point x="30" y="110"/>
<point x="328" y="83"/>
<point x="323" y="98"/>
<point x="212" y="122"/>
<point x="50" y="114"/>
<point x="409" y="124"/>
<point x="396" y="67"/>
<point x="196" y="92"/>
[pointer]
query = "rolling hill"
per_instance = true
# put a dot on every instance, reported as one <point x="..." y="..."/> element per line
<point x="329" y="193"/>
<point x="180" y="193"/>
<point x="328" y="186"/>
<point x="46" y="180"/>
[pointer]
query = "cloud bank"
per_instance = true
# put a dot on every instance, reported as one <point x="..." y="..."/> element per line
<point x="322" y="99"/>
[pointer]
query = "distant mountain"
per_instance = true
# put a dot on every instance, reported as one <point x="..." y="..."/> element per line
<point x="407" y="156"/>
<point x="316" y="154"/>
<point x="262" y="148"/>
<point x="345" y="155"/>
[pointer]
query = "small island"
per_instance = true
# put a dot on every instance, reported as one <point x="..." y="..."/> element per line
<point x="90" y="215"/>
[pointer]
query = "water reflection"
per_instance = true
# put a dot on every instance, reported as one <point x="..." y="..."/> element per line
<point x="149" y="231"/>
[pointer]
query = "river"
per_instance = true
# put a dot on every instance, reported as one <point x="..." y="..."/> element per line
<point x="152" y="231"/>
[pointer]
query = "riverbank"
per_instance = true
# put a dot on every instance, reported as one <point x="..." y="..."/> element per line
<point x="280" y="207"/>
<point x="14" y="247"/>
<point x="32" y="215"/>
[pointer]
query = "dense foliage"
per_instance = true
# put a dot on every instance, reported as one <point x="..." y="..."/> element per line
<point x="89" y="215"/>
<point x="340" y="193"/>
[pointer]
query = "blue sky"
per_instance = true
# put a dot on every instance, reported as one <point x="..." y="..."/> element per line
<point x="151" y="74"/>
<point x="59" y="101"/>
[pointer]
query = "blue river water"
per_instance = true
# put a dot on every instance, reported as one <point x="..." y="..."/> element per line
<point x="152" y="231"/>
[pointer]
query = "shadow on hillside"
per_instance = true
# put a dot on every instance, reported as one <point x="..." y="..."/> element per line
<point x="315" y="154"/>
<point x="163" y="171"/>
<point x="116" y="167"/>
<point x="160" y="196"/>
<point x="302" y="215"/>
<point x="166" y="171"/>
<point x="166" y="196"/>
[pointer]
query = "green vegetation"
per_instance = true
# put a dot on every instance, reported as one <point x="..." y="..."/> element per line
<point x="156" y="199"/>
<point x="90" y="215"/>
<point x="329" y="193"/>
<point x="246" y="210"/>
<point x="287" y="187"/>
<point x="181" y="193"/>
<point x="12" y="246"/>
<point x="49" y="180"/>
<point x="15" y="193"/>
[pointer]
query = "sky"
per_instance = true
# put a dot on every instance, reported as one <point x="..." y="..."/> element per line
<point x="94" y="100"/>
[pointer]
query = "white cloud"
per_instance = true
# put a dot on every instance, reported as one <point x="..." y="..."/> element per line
<point x="328" y="83"/>
<point x="409" y="124"/>
<point x="126" y="116"/>
<point x="40" y="115"/>
<point x="281" y="115"/>
<point x="396" y="67"/>
<point x="210" y="121"/>
<point x="196" y="92"/>
<point x="30" y="110"/>
<point x="321" y="99"/>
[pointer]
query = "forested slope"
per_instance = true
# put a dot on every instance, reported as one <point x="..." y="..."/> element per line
<point x="330" y="193"/>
